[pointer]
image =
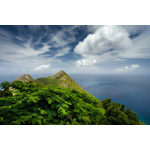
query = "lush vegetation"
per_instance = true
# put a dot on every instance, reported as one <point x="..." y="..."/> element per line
<point x="46" y="81"/>
<point x="37" y="104"/>
<point x="117" y="115"/>
<point x="64" y="81"/>
<point x="61" y="79"/>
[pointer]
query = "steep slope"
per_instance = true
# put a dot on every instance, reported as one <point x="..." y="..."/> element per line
<point x="61" y="79"/>
<point x="59" y="75"/>
<point x="25" y="78"/>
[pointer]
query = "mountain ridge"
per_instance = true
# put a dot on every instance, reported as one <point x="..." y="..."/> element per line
<point x="61" y="79"/>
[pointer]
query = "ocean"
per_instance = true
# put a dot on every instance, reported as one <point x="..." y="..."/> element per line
<point x="131" y="90"/>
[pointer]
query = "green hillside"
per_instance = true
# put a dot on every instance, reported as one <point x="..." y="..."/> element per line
<point x="63" y="80"/>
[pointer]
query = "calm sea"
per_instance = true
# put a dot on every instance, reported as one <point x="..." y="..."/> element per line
<point x="131" y="90"/>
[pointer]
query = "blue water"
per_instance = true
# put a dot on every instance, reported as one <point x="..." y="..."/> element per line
<point x="131" y="90"/>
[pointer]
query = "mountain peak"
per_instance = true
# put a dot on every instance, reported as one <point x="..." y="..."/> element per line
<point x="25" y="78"/>
<point x="59" y="74"/>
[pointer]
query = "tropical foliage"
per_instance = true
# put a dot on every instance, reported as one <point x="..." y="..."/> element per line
<point x="116" y="114"/>
<point x="37" y="104"/>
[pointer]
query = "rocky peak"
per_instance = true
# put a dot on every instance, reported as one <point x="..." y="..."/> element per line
<point x="59" y="74"/>
<point x="25" y="78"/>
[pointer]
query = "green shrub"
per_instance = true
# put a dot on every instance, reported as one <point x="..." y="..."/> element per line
<point x="1" y="93"/>
<point x="117" y="115"/>
<point x="35" y="104"/>
<point x="38" y="104"/>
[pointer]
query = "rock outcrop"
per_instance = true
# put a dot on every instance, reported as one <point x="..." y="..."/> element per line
<point x="25" y="78"/>
<point x="59" y="74"/>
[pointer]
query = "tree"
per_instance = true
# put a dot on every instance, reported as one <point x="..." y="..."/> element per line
<point x="5" y="85"/>
<point x="106" y="102"/>
<point x="117" y="115"/>
<point x="132" y="116"/>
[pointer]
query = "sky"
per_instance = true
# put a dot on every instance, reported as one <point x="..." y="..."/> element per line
<point x="76" y="49"/>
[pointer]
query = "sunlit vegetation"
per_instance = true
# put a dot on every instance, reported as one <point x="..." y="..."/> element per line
<point x="63" y="81"/>
<point x="39" y="104"/>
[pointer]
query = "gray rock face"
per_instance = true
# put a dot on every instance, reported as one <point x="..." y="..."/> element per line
<point x="24" y="78"/>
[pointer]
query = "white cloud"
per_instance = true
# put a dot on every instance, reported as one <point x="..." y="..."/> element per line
<point x="23" y="69"/>
<point x="63" y="51"/>
<point x="85" y="63"/>
<point x="105" y="44"/>
<point x="60" y="39"/>
<point x="93" y="28"/>
<point x="92" y="50"/>
<point x="104" y="39"/>
<point x="134" y="66"/>
<point x="15" y="69"/>
<point x="25" y="56"/>
<point x="42" y="67"/>
<point x="126" y="68"/>
<point x="97" y="45"/>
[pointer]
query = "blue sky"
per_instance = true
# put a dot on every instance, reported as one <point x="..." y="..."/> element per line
<point x="104" y="49"/>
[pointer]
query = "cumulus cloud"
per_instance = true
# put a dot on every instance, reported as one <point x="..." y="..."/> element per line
<point x="42" y="67"/>
<point x="23" y="69"/>
<point x="113" y="43"/>
<point x="93" y="28"/>
<point x="104" y="39"/>
<point x="126" y="68"/>
<point x="85" y="63"/>
<point x="105" y="44"/>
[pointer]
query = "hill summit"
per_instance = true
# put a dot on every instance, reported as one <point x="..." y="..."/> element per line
<point x="61" y="78"/>
<point x="25" y="78"/>
<point x="59" y="75"/>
